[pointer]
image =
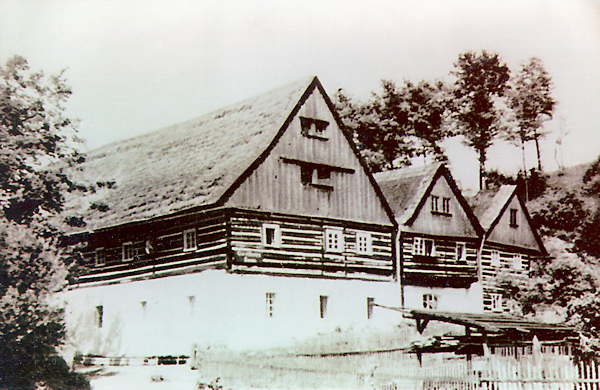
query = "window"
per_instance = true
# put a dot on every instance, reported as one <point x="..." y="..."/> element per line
<point x="430" y="301"/>
<point x="461" y="251"/>
<point x="314" y="128"/>
<point x="364" y="243"/>
<point x="100" y="257"/>
<point x="496" y="302"/>
<point x="270" y="297"/>
<point x="189" y="240"/>
<point x="495" y="258"/>
<point x="317" y="176"/>
<point x="99" y="316"/>
<point x="518" y="261"/>
<point x="334" y="240"/>
<point x="271" y="235"/>
<point x="424" y="247"/>
<point x="513" y="218"/>
<point x="370" y="303"/>
<point x="323" y="305"/>
<point x="434" y="203"/>
<point x="446" y="205"/>
<point x="127" y="251"/>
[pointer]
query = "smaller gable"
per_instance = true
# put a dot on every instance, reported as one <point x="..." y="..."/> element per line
<point x="493" y="208"/>
<point x="407" y="191"/>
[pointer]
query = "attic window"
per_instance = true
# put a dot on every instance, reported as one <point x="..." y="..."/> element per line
<point x="317" y="176"/>
<point x="513" y="218"/>
<point x="314" y="128"/>
<point x="436" y="203"/>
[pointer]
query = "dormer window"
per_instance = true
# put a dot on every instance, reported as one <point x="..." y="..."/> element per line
<point x="314" y="128"/>
<point x="513" y="218"/>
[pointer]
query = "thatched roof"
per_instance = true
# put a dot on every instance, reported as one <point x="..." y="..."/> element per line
<point x="404" y="188"/>
<point x="488" y="204"/>
<point x="181" y="166"/>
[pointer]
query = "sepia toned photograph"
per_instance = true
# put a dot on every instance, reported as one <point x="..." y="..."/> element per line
<point x="300" y="195"/>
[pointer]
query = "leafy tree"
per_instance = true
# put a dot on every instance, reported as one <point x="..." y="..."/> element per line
<point x="399" y="123"/>
<point x="37" y="138"/>
<point x="532" y="103"/>
<point x="480" y="85"/>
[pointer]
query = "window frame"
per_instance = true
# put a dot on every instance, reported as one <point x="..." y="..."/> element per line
<point x="434" y="204"/>
<point x="314" y="128"/>
<point x="186" y="233"/>
<point x="270" y="304"/>
<point x="496" y="302"/>
<point x="517" y="262"/>
<point x="323" y="301"/>
<point x="462" y="256"/>
<point x="513" y="222"/>
<point x="99" y="253"/>
<point x="430" y="301"/>
<point x="128" y="244"/>
<point x="276" y="235"/>
<point x="495" y="258"/>
<point x="340" y="246"/>
<point x="368" y="246"/>
<point x="446" y="205"/>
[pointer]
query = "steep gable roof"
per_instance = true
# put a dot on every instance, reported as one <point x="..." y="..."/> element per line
<point x="407" y="189"/>
<point x="490" y="205"/>
<point x="186" y="165"/>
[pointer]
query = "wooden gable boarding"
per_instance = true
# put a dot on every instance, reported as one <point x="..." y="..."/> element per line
<point x="301" y="200"/>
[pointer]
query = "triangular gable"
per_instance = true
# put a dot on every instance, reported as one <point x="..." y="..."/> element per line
<point x="408" y="190"/>
<point x="288" y="145"/>
<point x="505" y="197"/>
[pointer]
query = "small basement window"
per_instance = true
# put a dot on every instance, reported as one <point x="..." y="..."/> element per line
<point x="99" y="316"/>
<point x="270" y="302"/>
<point x="334" y="240"/>
<point x="364" y="243"/>
<point x="271" y="235"/>
<point x="314" y="128"/>
<point x="99" y="257"/>
<point x="127" y="251"/>
<point x="323" y="305"/>
<point x="513" y="218"/>
<point x="189" y="240"/>
<point x="430" y="301"/>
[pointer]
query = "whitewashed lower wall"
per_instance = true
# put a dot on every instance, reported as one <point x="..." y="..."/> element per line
<point x="218" y="308"/>
<point x="456" y="300"/>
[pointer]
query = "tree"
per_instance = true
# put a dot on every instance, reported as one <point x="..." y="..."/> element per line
<point x="399" y="123"/>
<point x="37" y="143"/>
<point x="480" y="85"/>
<point x="532" y="103"/>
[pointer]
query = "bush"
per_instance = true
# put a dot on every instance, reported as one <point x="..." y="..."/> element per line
<point x="564" y="214"/>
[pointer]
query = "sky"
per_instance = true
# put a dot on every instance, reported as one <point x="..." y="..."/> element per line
<point x="136" y="66"/>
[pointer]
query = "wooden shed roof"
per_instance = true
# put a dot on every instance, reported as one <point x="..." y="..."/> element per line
<point x="186" y="165"/>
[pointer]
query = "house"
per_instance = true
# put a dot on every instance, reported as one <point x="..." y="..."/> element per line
<point x="438" y="239"/>
<point x="509" y="244"/>
<point x="254" y="225"/>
